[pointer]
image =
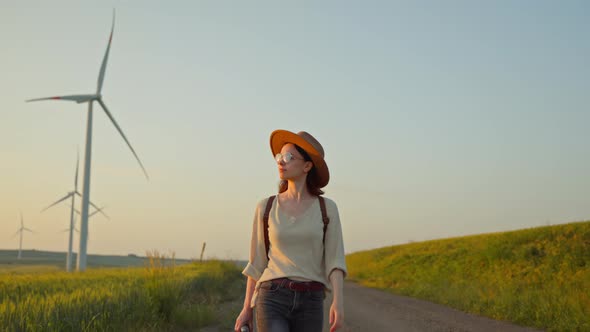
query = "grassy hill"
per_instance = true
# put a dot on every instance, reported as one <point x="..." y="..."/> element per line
<point x="535" y="277"/>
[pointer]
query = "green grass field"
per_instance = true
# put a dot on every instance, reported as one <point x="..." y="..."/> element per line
<point x="160" y="296"/>
<point x="536" y="277"/>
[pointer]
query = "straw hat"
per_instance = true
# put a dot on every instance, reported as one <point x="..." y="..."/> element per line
<point x="314" y="149"/>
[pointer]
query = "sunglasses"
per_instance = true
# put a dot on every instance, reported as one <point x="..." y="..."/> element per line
<point x="286" y="158"/>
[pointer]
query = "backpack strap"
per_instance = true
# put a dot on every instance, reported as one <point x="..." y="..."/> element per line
<point x="325" y="220"/>
<point x="265" y="218"/>
<point x="325" y="217"/>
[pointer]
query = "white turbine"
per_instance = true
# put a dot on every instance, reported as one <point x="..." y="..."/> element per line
<point x="74" y="229"/>
<point x="72" y="195"/>
<point x="101" y="210"/>
<point x="90" y="99"/>
<point x="21" y="230"/>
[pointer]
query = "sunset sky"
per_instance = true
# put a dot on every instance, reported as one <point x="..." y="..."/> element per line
<point x="438" y="118"/>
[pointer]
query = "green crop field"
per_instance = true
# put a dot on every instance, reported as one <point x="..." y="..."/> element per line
<point x="160" y="296"/>
<point x="537" y="277"/>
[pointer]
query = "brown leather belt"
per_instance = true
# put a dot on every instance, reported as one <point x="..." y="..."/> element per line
<point x="298" y="286"/>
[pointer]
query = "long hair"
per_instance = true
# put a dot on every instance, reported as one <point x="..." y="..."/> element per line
<point x="311" y="181"/>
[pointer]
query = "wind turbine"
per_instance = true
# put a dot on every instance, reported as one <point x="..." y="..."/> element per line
<point x="90" y="99"/>
<point x="72" y="195"/>
<point x="21" y="230"/>
<point x="73" y="228"/>
<point x="101" y="210"/>
<point x="97" y="210"/>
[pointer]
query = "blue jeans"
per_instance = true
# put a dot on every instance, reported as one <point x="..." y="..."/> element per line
<point x="279" y="309"/>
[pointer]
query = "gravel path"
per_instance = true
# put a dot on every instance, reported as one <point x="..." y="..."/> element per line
<point x="373" y="310"/>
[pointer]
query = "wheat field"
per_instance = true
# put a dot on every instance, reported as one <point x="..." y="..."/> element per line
<point x="158" y="297"/>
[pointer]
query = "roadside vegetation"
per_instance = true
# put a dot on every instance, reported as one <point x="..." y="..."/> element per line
<point x="161" y="296"/>
<point x="537" y="277"/>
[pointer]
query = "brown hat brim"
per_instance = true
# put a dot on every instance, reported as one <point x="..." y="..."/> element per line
<point x="279" y="138"/>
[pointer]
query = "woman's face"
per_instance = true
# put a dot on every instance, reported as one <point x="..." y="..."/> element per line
<point x="294" y="168"/>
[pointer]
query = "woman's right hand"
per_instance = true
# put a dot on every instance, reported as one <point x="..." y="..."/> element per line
<point x="245" y="318"/>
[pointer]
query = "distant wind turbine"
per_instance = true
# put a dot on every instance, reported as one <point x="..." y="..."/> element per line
<point x="74" y="229"/>
<point x="90" y="99"/>
<point x="21" y="230"/>
<point x="101" y="210"/>
<point x="69" y="229"/>
<point x="72" y="195"/>
<point x="97" y="210"/>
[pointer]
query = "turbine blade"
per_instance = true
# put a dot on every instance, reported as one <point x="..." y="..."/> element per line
<point x="99" y="210"/>
<point x="92" y="204"/>
<point x="15" y="234"/>
<point x="76" y="98"/>
<point x="29" y="230"/>
<point x="103" y="67"/>
<point x="104" y="107"/>
<point x="59" y="201"/>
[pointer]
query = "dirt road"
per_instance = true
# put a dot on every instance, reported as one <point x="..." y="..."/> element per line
<point x="372" y="310"/>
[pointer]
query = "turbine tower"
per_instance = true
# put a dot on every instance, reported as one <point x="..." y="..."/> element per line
<point x="21" y="230"/>
<point x="72" y="195"/>
<point x="74" y="229"/>
<point x="90" y="99"/>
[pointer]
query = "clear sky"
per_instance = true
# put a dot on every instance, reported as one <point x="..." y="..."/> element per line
<point x="439" y="118"/>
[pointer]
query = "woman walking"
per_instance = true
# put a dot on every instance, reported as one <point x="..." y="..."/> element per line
<point x="296" y="251"/>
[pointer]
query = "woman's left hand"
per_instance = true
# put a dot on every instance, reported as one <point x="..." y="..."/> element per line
<point x="336" y="315"/>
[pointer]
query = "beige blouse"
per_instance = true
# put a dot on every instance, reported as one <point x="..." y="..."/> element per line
<point x="296" y="249"/>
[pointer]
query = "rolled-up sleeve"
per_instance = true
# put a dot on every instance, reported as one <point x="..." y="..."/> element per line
<point x="258" y="260"/>
<point x="334" y="244"/>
